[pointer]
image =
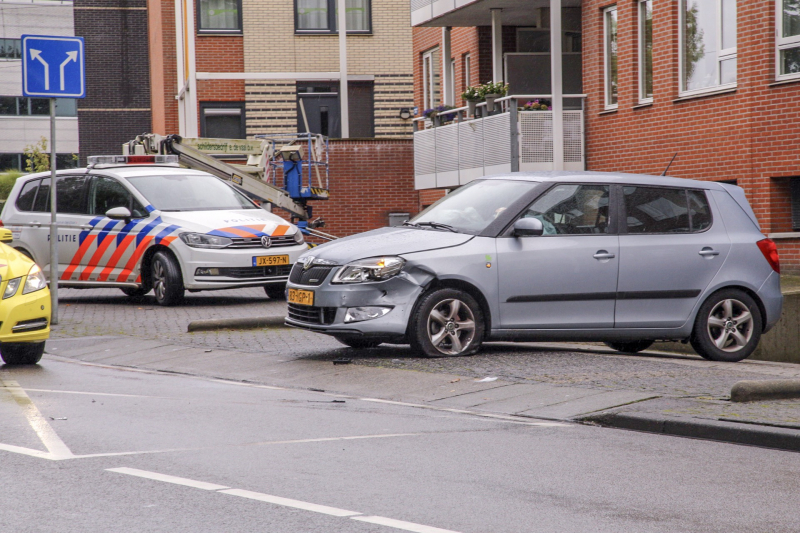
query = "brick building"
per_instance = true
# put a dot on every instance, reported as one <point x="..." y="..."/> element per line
<point x="715" y="81"/>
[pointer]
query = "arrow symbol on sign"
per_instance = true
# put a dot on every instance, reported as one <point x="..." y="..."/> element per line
<point x="71" y="56"/>
<point x="35" y="55"/>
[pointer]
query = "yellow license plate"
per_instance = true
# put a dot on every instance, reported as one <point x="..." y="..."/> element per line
<point x="297" y="296"/>
<point x="270" y="260"/>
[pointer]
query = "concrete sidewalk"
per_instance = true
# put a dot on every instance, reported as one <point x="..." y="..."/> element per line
<point x="656" y="392"/>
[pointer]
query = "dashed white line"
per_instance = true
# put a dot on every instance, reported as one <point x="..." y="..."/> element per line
<point x="284" y="502"/>
<point x="169" y="479"/>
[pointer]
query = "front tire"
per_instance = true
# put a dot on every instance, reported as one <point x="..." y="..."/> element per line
<point x="446" y="323"/>
<point x="728" y="326"/>
<point x="629" y="347"/>
<point x="131" y="292"/>
<point x="21" y="353"/>
<point x="167" y="280"/>
<point x="359" y="342"/>
<point x="276" y="292"/>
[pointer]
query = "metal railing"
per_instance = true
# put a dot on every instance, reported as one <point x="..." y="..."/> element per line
<point x="454" y="148"/>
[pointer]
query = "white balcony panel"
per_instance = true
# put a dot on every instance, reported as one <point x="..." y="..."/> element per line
<point x="425" y="153"/>
<point x="573" y="138"/>
<point x="470" y="149"/>
<point x="497" y="140"/>
<point x="498" y="169"/>
<point x="440" y="7"/>
<point x="447" y="155"/>
<point x="536" y="138"/>
<point x="425" y="181"/>
<point x="421" y="15"/>
<point x="468" y="174"/>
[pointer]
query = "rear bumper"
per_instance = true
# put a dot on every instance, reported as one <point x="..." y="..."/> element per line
<point x="771" y="297"/>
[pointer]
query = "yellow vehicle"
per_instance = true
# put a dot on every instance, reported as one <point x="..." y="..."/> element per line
<point x="24" y="307"/>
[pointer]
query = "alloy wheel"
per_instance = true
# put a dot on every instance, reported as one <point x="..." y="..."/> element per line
<point x="730" y="325"/>
<point x="159" y="280"/>
<point x="451" y="326"/>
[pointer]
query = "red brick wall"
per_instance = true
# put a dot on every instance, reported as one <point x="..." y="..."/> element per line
<point x="219" y="53"/>
<point x="749" y="135"/>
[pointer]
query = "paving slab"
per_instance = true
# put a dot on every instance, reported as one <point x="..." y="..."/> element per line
<point x="577" y="407"/>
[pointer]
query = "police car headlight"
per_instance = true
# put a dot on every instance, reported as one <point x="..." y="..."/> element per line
<point x="202" y="240"/>
<point x="35" y="280"/>
<point x="372" y="269"/>
<point x="298" y="237"/>
<point x="11" y="288"/>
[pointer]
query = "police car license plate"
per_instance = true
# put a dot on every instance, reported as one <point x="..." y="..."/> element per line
<point x="270" y="260"/>
<point x="297" y="296"/>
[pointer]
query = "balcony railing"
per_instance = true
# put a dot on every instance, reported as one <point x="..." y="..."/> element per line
<point x="506" y="140"/>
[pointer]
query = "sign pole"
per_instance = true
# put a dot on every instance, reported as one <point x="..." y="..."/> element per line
<point x="53" y="225"/>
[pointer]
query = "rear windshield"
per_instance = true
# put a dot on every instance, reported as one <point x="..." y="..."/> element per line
<point x="190" y="193"/>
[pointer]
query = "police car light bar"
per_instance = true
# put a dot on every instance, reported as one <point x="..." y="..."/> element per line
<point x="131" y="159"/>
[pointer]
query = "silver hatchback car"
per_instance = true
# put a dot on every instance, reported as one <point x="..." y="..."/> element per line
<point x="554" y="256"/>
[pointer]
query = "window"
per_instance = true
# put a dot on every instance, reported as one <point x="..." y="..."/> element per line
<point x="430" y="78"/>
<point x="15" y="105"/>
<point x="451" y="88"/>
<point x="645" y="51"/>
<point x="222" y="120"/>
<point x="219" y="16"/>
<point x="320" y="16"/>
<point x="71" y="194"/>
<point x="708" y="45"/>
<point x="794" y="184"/>
<point x="569" y="209"/>
<point x="10" y="49"/>
<point x="610" y="56"/>
<point x="27" y="195"/>
<point x="663" y="210"/>
<point x="106" y="193"/>
<point x="467" y="65"/>
<point x="788" y="32"/>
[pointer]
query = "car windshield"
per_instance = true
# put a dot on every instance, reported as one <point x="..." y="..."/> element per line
<point x="193" y="192"/>
<point x="471" y="208"/>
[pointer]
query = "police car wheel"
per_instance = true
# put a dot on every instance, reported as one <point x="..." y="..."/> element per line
<point x="134" y="293"/>
<point x="275" y="292"/>
<point x="167" y="280"/>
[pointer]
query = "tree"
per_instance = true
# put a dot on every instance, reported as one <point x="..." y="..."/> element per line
<point x="36" y="157"/>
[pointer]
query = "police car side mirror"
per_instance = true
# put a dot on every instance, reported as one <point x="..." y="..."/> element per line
<point x="6" y="235"/>
<point x="528" y="227"/>
<point x="119" y="213"/>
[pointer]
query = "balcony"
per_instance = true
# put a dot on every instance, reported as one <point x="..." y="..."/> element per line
<point x="477" y="12"/>
<point x="508" y="140"/>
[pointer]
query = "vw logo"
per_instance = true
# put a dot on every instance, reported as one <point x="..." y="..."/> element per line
<point x="308" y="262"/>
<point x="266" y="242"/>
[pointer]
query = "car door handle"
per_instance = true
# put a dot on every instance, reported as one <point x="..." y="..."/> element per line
<point x="708" y="252"/>
<point x="603" y="254"/>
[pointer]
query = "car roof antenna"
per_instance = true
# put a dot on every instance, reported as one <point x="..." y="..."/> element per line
<point x="670" y="164"/>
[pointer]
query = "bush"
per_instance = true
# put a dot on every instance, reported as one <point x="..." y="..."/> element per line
<point x="7" y="180"/>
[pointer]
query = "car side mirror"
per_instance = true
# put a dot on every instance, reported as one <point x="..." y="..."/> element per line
<point x="528" y="227"/>
<point x="6" y="235"/>
<point x="119" y="213"/>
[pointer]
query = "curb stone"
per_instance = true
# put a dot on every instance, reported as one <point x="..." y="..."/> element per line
<point x="236" y="323"/>
<point x="731" y="432"/>
<point x="767" y="389"/>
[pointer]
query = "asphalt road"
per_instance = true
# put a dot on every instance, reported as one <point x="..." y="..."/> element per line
<point x="87" y="448"/>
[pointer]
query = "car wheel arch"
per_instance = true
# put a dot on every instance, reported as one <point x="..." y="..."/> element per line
<point x="147" y="259"/>
<point x="750" y="292"/>
<point x="469" y="288"/>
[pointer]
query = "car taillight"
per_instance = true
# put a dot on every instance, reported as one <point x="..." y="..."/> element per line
<point x="770" y="251"/>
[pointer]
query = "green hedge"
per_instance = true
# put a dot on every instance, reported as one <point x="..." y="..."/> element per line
<point x="7" y="180"/>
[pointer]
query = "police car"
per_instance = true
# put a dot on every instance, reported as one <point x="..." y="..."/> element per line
<point x="143" y="223"/>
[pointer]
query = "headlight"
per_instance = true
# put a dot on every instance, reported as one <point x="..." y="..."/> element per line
<point x="372" y="269"/>
<point x="35" y="280"/>
<point x="11" y="288"/>
<point x="202" y="240"/>
<point x="298" y="237"/>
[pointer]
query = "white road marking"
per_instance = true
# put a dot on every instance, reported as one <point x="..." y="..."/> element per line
<point x="168" y="479"/>
<point x="286" y="502"/>
<point x="399" y="524"/>
<point x="96" y="393"/>
<point x="55" y="446"/>
<point x="283" y="502"/>
<point x="328" y="439"/>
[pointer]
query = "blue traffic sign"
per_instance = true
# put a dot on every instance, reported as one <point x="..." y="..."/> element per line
<point x="53" y="66"/>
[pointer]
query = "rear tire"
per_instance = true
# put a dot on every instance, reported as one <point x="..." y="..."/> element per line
<point x="276" y="292"/>
<point x="447" y="323"/>
<point x="21" y="353"/>
<point x="167" y="280"/>
<point x="630" y="346"/>
<point x="728" y="326"/>
<point x="359" y="342"/>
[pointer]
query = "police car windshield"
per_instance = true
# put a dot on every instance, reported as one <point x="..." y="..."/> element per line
<point x="189" y="193"/>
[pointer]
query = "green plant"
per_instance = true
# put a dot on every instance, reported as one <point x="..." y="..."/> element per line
<point x="492" y="87"/>
<point x="36" y="157"/>
<point x="472" y="94"/>
<point x="7" y="180"/>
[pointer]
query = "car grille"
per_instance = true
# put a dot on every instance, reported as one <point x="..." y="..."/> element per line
<point x="255" y="272"/>
<point x="312" y="315"/>
<point x="255" y="242"/>
<point x="313" y="276"/>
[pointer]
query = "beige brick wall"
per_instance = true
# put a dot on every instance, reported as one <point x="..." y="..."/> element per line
<point x="270" y="45"/>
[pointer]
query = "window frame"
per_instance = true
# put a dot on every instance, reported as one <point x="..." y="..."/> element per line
<point x="608" y="105"/>
<point x="641" y="20"/>
<point x="467" y="65"/>
<point x="219" y="31"/>
<point x="722" y="54"/>
<point x="613" y="226"/>
<point x="428" y="79"/>
<point x="17" y="48"/>
<point x="331" y="29"/>
<point x="241" y="106"/>
<point x="783" y="43"/>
